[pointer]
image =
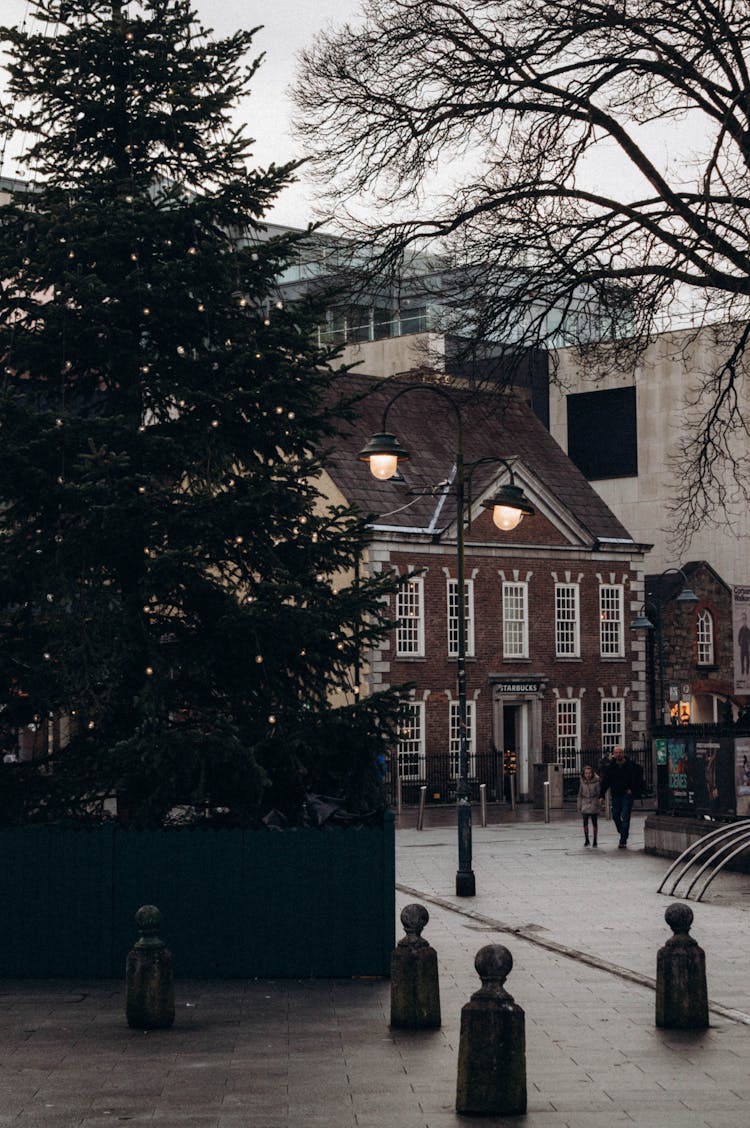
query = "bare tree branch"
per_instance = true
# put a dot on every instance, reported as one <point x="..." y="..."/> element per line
<point x="511" y="104"/>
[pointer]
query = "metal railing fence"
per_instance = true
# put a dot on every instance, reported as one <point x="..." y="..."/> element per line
<point x="438" y="775"/>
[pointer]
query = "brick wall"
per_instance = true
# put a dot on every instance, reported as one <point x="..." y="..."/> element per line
<point x="589" y="677"/>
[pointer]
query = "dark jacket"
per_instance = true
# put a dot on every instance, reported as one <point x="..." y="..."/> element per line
<point x="620" y="778"/>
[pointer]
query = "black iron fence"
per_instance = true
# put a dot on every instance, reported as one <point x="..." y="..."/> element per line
<point x="597" y="759"/>
<point x="439" y="776"/>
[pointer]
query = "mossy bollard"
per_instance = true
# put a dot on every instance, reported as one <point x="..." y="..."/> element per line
<point x="149" y="976"/>
<point x="492" y="1048"/>
<point x="681" y="990"/>
<point x="415" y="990"/>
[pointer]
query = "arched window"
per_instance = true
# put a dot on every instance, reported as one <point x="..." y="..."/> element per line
<point x="705" y="638"/>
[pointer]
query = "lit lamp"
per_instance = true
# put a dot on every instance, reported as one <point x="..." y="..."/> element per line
<point x="509" y="506"/>
<point x="383" y="453"/>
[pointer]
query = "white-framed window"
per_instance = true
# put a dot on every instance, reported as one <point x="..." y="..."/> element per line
<point x="567" y="621"/>
<point x="569" y="734"/>
<point x="515" y="620"/>
<point x="453" y="617"/>
<point x="704" y="626"/>
<point x="613" y="723"/>
<point x="454" y="738"/>
<point x="611" y="626"/>
<point x="410" y="616"/>
<point x="411" y="740"/>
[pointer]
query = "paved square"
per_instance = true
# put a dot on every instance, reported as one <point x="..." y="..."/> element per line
<point x="583" y="927"/>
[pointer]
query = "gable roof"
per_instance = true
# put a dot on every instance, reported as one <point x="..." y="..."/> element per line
<point x="669" y="584"/>
<point x="494" y="425"/>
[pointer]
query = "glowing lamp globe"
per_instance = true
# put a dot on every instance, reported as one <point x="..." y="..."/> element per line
<point x="383" y="453"/>
<point x="506" y="518"/>
<point x="509" y="506"/>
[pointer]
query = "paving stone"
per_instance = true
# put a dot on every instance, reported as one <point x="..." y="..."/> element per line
<point x="281" y="1054"/>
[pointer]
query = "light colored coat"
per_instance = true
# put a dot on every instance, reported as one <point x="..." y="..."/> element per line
<point x="588" y="796"/>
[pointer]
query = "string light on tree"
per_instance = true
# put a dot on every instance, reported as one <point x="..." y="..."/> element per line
<point x="178" y="436"/>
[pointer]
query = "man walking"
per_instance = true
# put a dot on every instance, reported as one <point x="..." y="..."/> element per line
<point x="623" y="780"/>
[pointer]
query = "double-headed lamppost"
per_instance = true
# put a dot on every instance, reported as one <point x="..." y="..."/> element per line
<point x="653" y="622"/>
<point x="383" y="453"/>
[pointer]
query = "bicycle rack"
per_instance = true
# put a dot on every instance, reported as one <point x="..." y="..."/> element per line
<point x="716" y="850"/>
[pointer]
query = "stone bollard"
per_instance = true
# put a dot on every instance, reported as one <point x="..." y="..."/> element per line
<point x="149" y="977"/>
<point x="492" y="1049"/>
<point x="415" y="991"/>
<point x="681" y="991"/>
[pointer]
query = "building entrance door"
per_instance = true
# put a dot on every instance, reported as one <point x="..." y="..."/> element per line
<point x="514" y="744"/>
<point x="517" y="726"/>
<point x="510" y="747"/>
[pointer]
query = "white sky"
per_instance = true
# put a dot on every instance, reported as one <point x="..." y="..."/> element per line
<point x="288" y="27"/>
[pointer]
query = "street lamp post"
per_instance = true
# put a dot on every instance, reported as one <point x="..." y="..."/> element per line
<point x="647" y="622"/>
<point x="383" y="453"/>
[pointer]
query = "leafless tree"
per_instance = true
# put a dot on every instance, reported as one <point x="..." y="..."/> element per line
<point x="517" y="106"/>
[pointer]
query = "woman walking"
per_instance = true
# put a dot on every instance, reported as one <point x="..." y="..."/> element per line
<point x="588" y="802"/>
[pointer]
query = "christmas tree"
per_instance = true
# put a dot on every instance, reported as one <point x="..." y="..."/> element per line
<point x="167" y="603"/>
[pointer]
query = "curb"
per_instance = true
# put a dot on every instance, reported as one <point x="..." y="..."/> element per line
<point x="560" y="949"/>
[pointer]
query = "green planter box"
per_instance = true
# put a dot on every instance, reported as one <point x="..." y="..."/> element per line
<point x="235" y="903"/>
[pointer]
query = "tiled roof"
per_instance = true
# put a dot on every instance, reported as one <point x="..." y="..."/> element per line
<point x="493" y="424"/>
<point x="668" y="584"/>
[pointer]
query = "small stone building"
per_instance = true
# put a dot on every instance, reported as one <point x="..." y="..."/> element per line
<point x="696" y="664"/>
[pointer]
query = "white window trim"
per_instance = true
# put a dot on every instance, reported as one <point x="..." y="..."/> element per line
<point x="471" y="738"/>
<point x="568" y="757"/>
<point x="418" y="584"/>
<point x="521" y="585"/>
<point x="419" y="752"/>
<point x="705" y="639"/>
<point x="576" y="621"/>
<point x="620" y="652"/>
<point x="452" y="620"/>
<point x="610" y="740"/>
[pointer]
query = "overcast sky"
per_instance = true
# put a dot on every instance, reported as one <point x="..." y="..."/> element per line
<point x="288" y="26"/>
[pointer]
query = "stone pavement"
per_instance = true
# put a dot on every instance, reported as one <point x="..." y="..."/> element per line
<point x="583" y="926"/>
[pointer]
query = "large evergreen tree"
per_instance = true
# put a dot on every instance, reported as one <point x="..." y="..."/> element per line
<point x="166" y="561"/>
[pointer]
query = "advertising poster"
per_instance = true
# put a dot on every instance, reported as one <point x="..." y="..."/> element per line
<point x="700" y="775"/>
<point x="741" y="638"/>
<point x="742" y="775"/>
<point x="677" y="777"/>
<point x="703" y="776"/>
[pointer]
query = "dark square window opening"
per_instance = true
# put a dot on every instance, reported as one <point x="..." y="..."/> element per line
<point x="603" y="433"/>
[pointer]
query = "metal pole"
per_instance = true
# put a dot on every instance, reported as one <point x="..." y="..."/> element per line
<point x="465" y="881"/>
<point x="660" y="644"/>
<point x="420" y="810"/>
<point x="512" y="780"/>
<point x="483" y="802"/>
<point x="545" y="785"/>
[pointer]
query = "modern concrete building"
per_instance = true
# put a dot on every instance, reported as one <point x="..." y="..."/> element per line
<point x="624" y="429"/>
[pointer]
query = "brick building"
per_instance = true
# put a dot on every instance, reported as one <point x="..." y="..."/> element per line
<point x="695" y="670"/>
<point x="551" y="665"/>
